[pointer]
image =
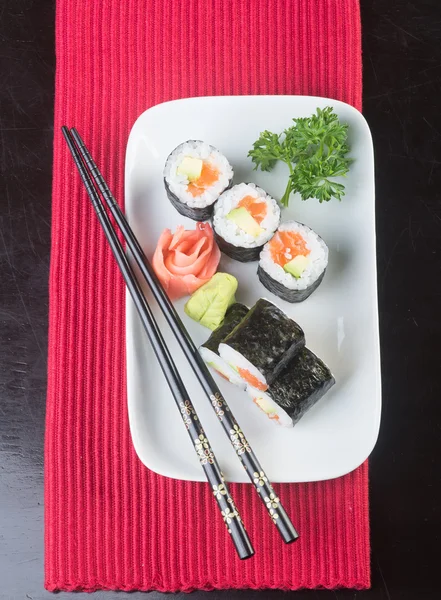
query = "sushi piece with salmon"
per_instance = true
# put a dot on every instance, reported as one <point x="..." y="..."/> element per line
<point x="245" y="217"/>
<point x="210" y="350"/>
<point x="293" y="263"/>
<point x="195" y="175"/>
<point x="297" y="388"/>
<point x="262" y="344"/>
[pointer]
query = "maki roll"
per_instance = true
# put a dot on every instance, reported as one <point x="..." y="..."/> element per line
<point x="245" y="218"/>
<point x="298" y="387"/>
<point x="262" y="344"/>
<point x="293" y="263"/>
<point x="210" y="350"/>
<point x="195" y="175"/>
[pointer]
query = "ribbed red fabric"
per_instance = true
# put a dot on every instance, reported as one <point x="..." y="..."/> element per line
<point x="110" y="522"/>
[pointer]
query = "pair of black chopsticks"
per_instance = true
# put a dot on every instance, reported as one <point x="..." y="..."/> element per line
<point x="94" y="183"/>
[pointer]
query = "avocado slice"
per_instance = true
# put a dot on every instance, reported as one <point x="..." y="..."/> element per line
<point x="191" y="168"/>
<point x="245" y="221"/>
<point x="297" y="265"/>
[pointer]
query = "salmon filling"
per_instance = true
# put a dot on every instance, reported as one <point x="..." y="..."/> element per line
<point x="221" y="374"/>
<point x="256" y="209"/>
<point x="286" y="245"/>
<point x="209" y="175"/>
<point x="273" y="416"/>
<point x="252" y="379"/>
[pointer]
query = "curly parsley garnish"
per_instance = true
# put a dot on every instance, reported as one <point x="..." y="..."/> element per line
<point x="314" y="149"/>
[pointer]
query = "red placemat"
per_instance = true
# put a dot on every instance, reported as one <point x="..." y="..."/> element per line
<point x="110" y="522"/>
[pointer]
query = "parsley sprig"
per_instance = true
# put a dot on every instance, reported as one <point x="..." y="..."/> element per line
<point x="314" y="149"/>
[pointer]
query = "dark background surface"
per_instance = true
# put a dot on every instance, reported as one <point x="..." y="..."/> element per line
<point x="402" y="89"/>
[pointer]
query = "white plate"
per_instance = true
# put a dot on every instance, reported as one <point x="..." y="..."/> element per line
<point x="340" y="319"/>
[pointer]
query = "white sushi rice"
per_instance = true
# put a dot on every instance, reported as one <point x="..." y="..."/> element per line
<point x="233" y="234"/>
<point x="318" y="258"/>
<point x="178" y="183"/>
<point x="214" y="361"/>
<point x="273" y="411"/>
<point x="237" y="361"/>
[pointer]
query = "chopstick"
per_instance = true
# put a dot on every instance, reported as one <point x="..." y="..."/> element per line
<point x="231" y="427"/>
<point x="191" y="421"/>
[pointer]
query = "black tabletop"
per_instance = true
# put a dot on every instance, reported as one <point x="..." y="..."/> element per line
<point x="402" y="88"/>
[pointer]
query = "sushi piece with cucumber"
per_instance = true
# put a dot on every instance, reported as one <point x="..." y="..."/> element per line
<point x="195" y="175"/>
<point x="210" y="350"/>
<point x="245" y="217"/>
<point x="262" y="344"/>
<point x="293" y="263"/>
<point x="297" y="388"/>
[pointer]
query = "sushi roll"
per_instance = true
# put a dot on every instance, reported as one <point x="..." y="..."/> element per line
<point x="293" y="263"/>
<point x="298" y="387"/>
<point x="210" y="350"/>
<point x="195" y="175"/>
<point x="245" y="218"/>
<point x="262" y="344"/>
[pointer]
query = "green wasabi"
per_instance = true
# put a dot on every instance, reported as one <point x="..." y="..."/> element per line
<point x="210" y="302"/>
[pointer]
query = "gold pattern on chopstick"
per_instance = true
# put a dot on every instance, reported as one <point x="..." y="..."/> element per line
<point x="203" y="450"/>
<point x="228" y="515"/>
<point x="231" y="513"/>
<point x="219" y="490"/>
<point x="187" y="410"/>
<point x="216" y="401"/>
<point x="240" y="443"/>
<point x="272" y="503"/>
<point x="259" y="478"/>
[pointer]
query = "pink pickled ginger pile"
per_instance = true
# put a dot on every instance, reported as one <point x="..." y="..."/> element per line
<point x="185" y="260"/>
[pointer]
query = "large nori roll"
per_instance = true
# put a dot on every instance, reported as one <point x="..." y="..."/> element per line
<point x="297" y="388"/>
<point x="237" y="252"/>
<point x="283" y="292"/>
<point x="233" y="317"/>
<point x="266" y="338"/>
<point x="210" y="350"/>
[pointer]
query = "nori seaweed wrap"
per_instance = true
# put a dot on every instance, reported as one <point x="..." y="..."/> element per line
<point x="297" y="388"/>
<point x="283" y="292"/>
<point x="262" y="344"/>
<point x="210" y="349"/>
<point x="234" y="315"/>
<point x="238" y="253"/>
<point x="196" y="214"/>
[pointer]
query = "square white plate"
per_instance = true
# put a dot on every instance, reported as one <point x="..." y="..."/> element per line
<point x="340" y="319"/>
